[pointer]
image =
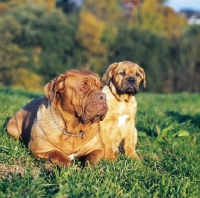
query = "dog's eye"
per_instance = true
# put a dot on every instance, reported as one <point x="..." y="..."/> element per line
<point x="82" y="88"/>
<point x="137" y="74"/>
<point x="122" y="73"/>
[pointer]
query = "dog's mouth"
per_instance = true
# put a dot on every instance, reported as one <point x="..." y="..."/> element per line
<point x="95" y="110"/>
<point x="128" y="89"/>
<point x="95" y="119"/>
<point x="132" y="90"/>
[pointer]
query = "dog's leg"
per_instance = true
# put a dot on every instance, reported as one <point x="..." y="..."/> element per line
<point x="105" y="130"/>
<point x="55" y="157"/>
<point x="130" y="144"/>
<point x="110" y="154"/>
<point x="130" y="151"/>
<point x="15" y="124"/>
<point x="94" y="157"/>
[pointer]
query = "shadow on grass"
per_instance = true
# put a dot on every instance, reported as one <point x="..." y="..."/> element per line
<point x="195" y="120"/>
<point x="5" y="122"/>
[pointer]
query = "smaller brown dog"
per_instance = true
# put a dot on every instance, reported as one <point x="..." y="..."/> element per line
<point x="118" y="129"/>
<point x="63" y="125"/>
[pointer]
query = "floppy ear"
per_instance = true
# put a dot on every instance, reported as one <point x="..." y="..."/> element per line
<point x="53" y="86"/>
<point x="109" y="73"/>
<point x="143" y="75"/>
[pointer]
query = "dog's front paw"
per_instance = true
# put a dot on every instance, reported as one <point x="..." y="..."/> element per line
<point x="94" y="157"/>
<point x="56" y="157"/>
<point x="110" y="157"/>
<point x="134" y="156"/>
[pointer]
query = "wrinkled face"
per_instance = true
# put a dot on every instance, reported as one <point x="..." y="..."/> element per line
<point x="126" y="77"/>
<point x="80" y="93"/>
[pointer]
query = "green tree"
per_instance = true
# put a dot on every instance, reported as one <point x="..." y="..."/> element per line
<point x="13" y="62"/>
<point x="187" y="72"/>
<point x="6" y="4"/>
<point x="47" y="38"/>
<point x="148" y="50"/>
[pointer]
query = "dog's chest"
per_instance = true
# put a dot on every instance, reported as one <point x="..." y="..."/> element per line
<point x="122" y="120"/>
<point x="124" y="113"/>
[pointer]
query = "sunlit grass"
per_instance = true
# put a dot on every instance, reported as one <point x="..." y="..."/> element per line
<point x="169" y="138"/>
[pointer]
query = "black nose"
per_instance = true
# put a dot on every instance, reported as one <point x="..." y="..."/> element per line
<point x="131" y="80"/>
<point x="101" y="96"/>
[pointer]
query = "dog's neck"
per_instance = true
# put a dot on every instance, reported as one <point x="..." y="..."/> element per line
<point x="70" y="123"/>
<point x="119" y="97"/>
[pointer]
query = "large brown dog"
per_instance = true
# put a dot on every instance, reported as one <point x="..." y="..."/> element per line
<point x="63" y="125"/>
<point x="118" y="129"/>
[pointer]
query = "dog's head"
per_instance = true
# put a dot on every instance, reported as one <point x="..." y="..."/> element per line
<point x="78" y="92"/>
<point x="124" y="78"/>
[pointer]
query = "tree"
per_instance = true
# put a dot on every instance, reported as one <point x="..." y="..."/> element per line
<point x="13" y="62"/>
<point x="148" y="50"/>
<point x="97" y="31"/>
<point x="67" y="5"/>
<point x="175" y="23"/>
<point x="148" y="16"/>
<point x="89" y="36"/>
<point x="188" y="73"/>
<point x="152" y="15"/>
<point x="48" y="42"/>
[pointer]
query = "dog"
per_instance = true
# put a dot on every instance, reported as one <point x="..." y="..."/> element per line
<point x="118" y="130"/>
<point x="64" y="124"/>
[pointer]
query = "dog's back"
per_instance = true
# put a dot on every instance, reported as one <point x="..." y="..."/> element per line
<point x="21" y="123"/>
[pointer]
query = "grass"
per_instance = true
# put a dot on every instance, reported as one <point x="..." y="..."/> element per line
<point x="169" y="138"/>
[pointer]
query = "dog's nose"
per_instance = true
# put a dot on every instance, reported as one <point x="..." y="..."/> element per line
<point x="101" y="96"/>
<point x="131" y="80"/>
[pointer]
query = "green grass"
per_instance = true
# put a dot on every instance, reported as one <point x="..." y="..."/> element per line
<point x="169" y="139"/>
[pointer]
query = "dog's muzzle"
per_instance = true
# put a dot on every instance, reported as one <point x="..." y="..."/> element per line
<point x="131" y="87"/>
<point x="95" y="109"/>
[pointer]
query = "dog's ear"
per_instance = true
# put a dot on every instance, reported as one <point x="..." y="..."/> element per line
<point x="55" y="85"/>
<point x="109" y="73"/>
<point x="143" y="76"/>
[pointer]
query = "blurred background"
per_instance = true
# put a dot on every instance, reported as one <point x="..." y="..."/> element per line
<point x="40" y="39"/>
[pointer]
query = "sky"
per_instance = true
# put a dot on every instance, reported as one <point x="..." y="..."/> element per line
<point x="182" y="4"/>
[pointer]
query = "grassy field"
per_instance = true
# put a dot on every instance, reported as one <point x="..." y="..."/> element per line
<point x="169" y="141"/>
